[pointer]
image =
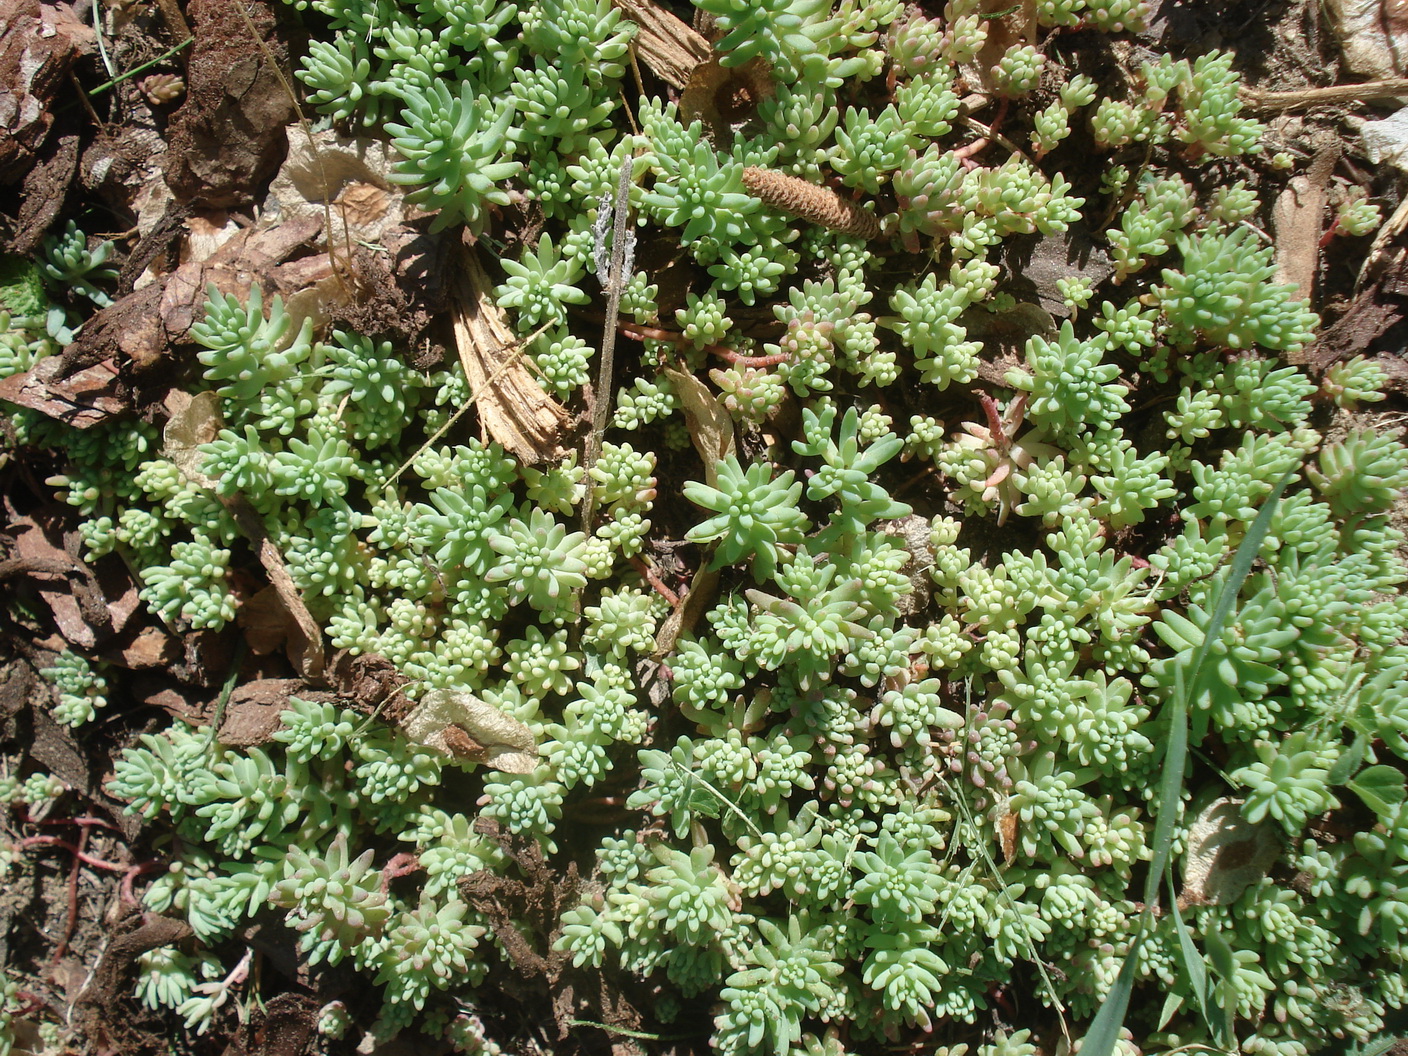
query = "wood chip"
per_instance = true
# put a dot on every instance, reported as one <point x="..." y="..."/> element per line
<point x="82" y="400"/>
<point x="513" y="408"/>
<point x="1297" y="220"/>
<point x="668" y="46"/>
<point x="38" y="46"/>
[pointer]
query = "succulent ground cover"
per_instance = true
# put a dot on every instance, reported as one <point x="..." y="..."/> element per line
<point x="827" y="531"/>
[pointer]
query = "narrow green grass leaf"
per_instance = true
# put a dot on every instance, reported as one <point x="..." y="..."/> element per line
<point x="1225" y="966"/>
<point x="1192" y="959"/>
<point x="1105" y="1028"/>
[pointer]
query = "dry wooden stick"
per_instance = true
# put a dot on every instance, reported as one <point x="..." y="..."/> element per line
<point x="615" y="284"/>
<point x="1300" y="98"/>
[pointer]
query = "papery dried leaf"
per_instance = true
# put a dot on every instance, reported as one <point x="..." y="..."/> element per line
<point x="266" y="622"/>
<point x="461" y="725"/>
<point x="305" y="647"/>
<point x="194" y="420"/>
<point x="724" y="96"/>
<point x="1006" y="825"/>
<point x="1226" y="853"/>
<point x="1297" y="220"/>
<point x="702" y="589"/>
<point x="332" y="179"/>
<point x="512" y="406"/>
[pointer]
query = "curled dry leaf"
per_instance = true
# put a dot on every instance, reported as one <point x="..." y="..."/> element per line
<point x="464" y="727"/>
<point x="339" y="182"/>
<point x="724" y="97"/>
<point x="1226" y="853"/>
<point x="1007" y="826"/>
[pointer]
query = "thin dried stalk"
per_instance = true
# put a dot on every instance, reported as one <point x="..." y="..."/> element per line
<point x="1302" y="98"/>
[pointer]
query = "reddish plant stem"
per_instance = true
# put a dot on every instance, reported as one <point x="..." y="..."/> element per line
<point x="994" y="419"/>
<point x="77" y="852"/>
<point x="638" y="332"/>
<point x="129" y="872"/>
<point x="762" y="362"/>
<point x="96" y="823"/>
<point x="654" y="580"/>
<point x="128" y="895"/>
<point x="964" y="153"/>
<point x="78" y="856"/>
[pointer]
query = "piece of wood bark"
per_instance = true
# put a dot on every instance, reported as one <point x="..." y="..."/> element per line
<point x="513" y="408"/>
<point x="668" y="46"/>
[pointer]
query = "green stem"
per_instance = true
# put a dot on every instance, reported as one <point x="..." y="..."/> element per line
<point x="146" y="65"/>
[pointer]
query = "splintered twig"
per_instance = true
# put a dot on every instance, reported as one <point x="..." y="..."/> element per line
<point x="1367" y="91"/>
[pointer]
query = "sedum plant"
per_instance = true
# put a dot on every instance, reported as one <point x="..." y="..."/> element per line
<point x="852" y="686"/>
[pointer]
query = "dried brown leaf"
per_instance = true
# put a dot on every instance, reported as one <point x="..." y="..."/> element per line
<point x="1226" y="853"/>
<point x="194" y="420"/>
<point x="1295" y="220"/>
<point x="305" y="645"/>
<point x="462" y="726"/>
<point x="724" y="97"/>
<point x="702" y="589"/>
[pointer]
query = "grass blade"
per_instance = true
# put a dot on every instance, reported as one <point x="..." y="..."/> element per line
<point x="1104" y="1031"/>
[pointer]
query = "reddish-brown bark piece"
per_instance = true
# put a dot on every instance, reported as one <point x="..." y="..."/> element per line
<point x="228" y="137"/>
<point x="38" y="45"/>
